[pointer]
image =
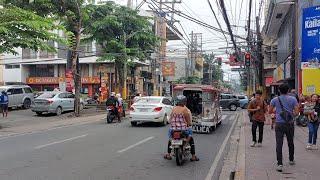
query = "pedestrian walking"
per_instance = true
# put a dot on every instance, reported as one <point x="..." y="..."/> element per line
<point x="258" y="108"/>
<point x="285" y="107"/>
<point x="251" y="113"/>
<point x="4" y="102"/>
<point x="312" y="111"/>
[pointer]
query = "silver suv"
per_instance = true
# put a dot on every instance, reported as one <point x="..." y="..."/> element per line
<point x="19" y="95"/>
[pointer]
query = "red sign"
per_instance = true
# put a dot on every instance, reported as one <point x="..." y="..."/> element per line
<point x="168" y="68"/>
<point x="56" y="80"/>
<point x="268" y="80"/>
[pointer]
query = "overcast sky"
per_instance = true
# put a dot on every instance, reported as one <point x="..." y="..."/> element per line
<point x="215" y="42"/>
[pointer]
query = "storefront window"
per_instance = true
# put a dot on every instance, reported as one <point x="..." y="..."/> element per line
<point x="42" y="70"/>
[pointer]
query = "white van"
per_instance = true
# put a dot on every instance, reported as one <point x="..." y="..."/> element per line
<point x="19" y="95"/>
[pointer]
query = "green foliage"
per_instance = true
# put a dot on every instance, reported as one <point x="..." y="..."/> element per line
<point x="189" y="80"/>
<point x="21" y="28"/>
<point x="217" y="72"/>
<point x="121" y="31"/>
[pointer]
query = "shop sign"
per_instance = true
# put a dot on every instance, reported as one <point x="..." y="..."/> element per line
<point x="310" y="44"/>
<point x="90" y="80"/>
<point x="309" y="84"/>
<point x="268" y="81"/>
<point x="57" y="80"/>
<point x="278" y="73"/>
<point x="288" y="69"/>
<point x="44" y="80"/>
<point x="168" y="68"/>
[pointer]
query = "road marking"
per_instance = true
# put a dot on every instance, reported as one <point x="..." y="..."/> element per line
<point x="62" y="141"/>
<point x="221" y="150"/>
<point x="134" y="145"/>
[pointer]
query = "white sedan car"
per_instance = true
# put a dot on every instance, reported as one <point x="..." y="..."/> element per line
<point x="151" y="109"/>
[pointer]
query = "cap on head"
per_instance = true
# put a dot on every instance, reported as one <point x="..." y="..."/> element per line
<point x="181" y="100"/>
<point x="113" y="94"/>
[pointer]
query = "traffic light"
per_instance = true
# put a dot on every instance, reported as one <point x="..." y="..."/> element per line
<point x="247" y="58"/>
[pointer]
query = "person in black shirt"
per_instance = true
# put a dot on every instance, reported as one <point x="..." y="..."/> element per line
<point x="113" y="101"/>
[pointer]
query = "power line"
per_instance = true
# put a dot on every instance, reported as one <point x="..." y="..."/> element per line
<point x="228" y="26"/>
<point x="195" y="20"/>
<point x="215" y="16"/>
<point x="207" y="29"/>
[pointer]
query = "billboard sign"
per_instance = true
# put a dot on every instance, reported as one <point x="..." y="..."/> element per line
<point x="310" y="44"/>
<point x="168" y="68"/>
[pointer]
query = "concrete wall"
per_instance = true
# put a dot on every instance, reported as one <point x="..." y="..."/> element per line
<point x="12" y="75"/>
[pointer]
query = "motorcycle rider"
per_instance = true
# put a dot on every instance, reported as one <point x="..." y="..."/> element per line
<point x="181" y="119"/>
<point x="113" y="101"/>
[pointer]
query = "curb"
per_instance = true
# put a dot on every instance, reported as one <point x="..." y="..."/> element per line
<point x="234" y="162"/>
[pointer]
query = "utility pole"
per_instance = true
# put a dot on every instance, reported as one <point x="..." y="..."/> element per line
<point x="259" y="52"/>
<point x="296" y="49"/>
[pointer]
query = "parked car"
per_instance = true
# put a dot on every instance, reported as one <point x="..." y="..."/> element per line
<point x="19" y="95"/>
<point x="54" y="102"/>
<point x="229" y="101"/>
<point x="151" y="109"/>
<point x="243" y="100"/>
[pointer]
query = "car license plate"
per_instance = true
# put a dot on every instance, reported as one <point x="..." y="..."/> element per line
<point x="176" y="142"/>
<point x="143" y="110"/>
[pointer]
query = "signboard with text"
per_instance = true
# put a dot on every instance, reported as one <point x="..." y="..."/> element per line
<point x="310" y="44"/>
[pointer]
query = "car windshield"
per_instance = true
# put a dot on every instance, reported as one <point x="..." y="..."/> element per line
<point x="148" y="100"/>
<point x="47" y="95"/>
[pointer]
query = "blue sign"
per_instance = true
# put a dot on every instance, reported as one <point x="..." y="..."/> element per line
<point x="310" y="45"/>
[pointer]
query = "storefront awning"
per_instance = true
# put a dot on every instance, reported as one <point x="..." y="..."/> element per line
<point x="277" y="12"/>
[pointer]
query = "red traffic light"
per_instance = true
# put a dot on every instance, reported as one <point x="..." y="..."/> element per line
<point x="247" y="56"/>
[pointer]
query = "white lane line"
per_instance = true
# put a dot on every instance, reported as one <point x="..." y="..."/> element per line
<point x="134" y="145"/>
<point x="62" y="141"/>
<point x="221" y="150"/>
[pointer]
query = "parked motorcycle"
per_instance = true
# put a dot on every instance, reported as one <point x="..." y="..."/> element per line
<point x="302" y="120"/>
<point x="111" y="115"/>
<point x="180" y="148"/>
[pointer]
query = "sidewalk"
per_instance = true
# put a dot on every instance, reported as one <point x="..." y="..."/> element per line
<point x="260" y="162"/>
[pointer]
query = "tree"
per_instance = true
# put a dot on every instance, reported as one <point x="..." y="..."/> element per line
<point x="21" y="28"/>
<point x="189" y="80"/>
<point x="123" y="35"/>
<point x="216" y="71"/>
<point x="70" y="14"/>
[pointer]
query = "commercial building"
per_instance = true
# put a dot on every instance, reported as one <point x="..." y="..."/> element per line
<point x="291" y="45"/>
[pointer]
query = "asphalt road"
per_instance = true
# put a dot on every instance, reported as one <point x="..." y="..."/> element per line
<point x="98" y="151"/>
<point x="20" y="117"/>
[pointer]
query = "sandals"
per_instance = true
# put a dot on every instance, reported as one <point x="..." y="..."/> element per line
<point x="167" y="157"/>
<point x="196" y="159"/>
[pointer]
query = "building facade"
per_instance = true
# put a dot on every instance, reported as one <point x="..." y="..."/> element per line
<point x="292" y="46"/>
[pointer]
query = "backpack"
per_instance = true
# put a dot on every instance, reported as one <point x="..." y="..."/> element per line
<point x="284" y="114"/>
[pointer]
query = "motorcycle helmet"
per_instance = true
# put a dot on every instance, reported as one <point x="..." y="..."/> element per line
<point x="181" y="100"/>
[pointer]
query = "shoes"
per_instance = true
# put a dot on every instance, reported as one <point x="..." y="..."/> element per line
<point x="309" y="147"/>
<point x="314" y="147"/>
<point x="279" y="168"/>
<point x="253" y="144"/>
<point x="259" y="144"/>
<point x="292" y="162"/>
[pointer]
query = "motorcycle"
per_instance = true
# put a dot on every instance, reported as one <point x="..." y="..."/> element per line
<point x="302" y="120"/>
<point x="111" y="115"/>
<point x="180" y="148"/>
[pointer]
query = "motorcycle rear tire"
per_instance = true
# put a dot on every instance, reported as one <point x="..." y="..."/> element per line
<point x="178" y="155"/>
<point x="109" y="119"/>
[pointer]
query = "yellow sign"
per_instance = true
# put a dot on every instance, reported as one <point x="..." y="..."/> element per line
<point x="310" y="84"/>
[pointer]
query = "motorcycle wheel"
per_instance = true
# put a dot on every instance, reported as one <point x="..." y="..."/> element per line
<point x="178" y="154"/>
<point x="109" y="119"/>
